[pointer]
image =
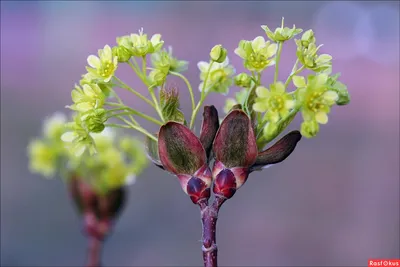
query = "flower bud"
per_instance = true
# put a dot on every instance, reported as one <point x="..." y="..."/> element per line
<point x="157" y="77"/>
<point x="218" y="53"/>
<point x="243" y="80"/>
<point x="307" y="38"/>
<point x="94" y="120"/>
<point x="182" y="153"/>
<point x="309" y="129"/>
<point x="122" y="53"/>
<point x="235" y="151"/>
<point x="98" y="210"/>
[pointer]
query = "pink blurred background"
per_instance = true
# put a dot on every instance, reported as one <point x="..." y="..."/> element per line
<point x="333" y="202"/>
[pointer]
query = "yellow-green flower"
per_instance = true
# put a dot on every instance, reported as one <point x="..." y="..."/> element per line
<point x="307" y="54"/>
<point x="307" y="38"/>
<point x="89" y="97"/>
<point x="257" y="54"/>
<point x="103" y="67"/>
<point x="122" y="53"/>
<point x="42" y="158"/>
<point x="240" y="98"/>
<point x="219" y="77"/>
<point x="94" y="120"/>
<point x="316" y="99"/>
<point x="165" y="62"/>
<point x="218" y="53"/>
<point x="243" y="80"/>
<point x="281" y="34"/>
<point x="276" y="102"/>
<point x="309" y="129"/>
<point x="54" y="126"/>
<point x="139" y="45"/>
<point x="133" y="149"/>
<point x="105" y="87"/>
<point x="78" y="138"/>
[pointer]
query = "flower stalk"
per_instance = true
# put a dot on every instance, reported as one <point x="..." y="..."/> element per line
<point x="209" y="216"/>
<point x="94" y="252"/>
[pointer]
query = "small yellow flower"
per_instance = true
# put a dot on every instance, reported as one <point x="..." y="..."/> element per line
<point x="219" y="79"/>
<point x="42" y="157"/>
<point x="89" y="97"/>
<point x="316" y="99"/>
<point x="54" y="126"/>
<point x="104" y="66"/>
<point x="257" y="54"/>
<point x="276" y="102"/>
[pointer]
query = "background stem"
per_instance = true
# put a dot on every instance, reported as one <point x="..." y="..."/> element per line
<point x="209" y="216"/>
<point x="94" y="252"/>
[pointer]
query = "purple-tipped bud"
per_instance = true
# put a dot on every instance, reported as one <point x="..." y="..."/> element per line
<point x="182" y="154"/>
<point x="235" y="151"/>
<point x="209" y="128"/>
<point x="98" y="210"/>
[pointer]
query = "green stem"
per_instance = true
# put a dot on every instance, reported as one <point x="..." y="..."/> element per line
<point x="188" y="86"/>
<point x="293" y="74"/>
<point x="135" y="112"/>
<point x="157" y="106"/>
<point x="137" y="128"/>
<point x="155" y="103"/>
<point x="205" y="79"/>
<point x="122" y="103"/>
<point x="278" y="57"/>
<point x="144" y="67"/>
<point x="125" y="86"/>
<point x="203" y="96"/>
<point x="192" y="119"/>
<point x="115" y="125"/>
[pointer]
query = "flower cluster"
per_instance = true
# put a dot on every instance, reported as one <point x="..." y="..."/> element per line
<point x="228" y="149"/>
<point x="49" y="155"/>
<point x="274" y="107"/>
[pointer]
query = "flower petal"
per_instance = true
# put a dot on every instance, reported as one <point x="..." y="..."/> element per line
<point x="331" y="96"/>
<point x="272" y="48"/>
<point x="258" y="43"/>
<point x="203" y="66"/>
<point x="68" y="136"/>
<point x="289" y="104"/>
<point x="279" y="87"/>
<point x="259" y="107"/>
<point x="209" y="127"/>
<point x="321" y="117"/>
<point x="179" y="149"/>
<point x="240" y="52"/>
<point x="235" y="143"/>
<point x="262" y="92"/>
<point x="107" y="53"/>
<point x="278" y="152"/>
<point x="94" y="62"/>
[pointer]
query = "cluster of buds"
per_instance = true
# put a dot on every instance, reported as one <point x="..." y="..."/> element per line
<point x="231" y="147"/>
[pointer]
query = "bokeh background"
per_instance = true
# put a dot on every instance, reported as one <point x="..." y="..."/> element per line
<point x="333" y="202"/>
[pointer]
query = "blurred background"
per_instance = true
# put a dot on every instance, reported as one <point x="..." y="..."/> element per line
<point x="333" y="202"/>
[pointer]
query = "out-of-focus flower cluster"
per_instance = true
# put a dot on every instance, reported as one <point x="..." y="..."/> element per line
<point x="117" y="162"/>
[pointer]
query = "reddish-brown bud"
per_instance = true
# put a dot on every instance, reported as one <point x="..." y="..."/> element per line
<point x="182" y="154"/>
<point x="228" y="180"/>
<point x="209" y="128"/>
<point x="98" y="210"/>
